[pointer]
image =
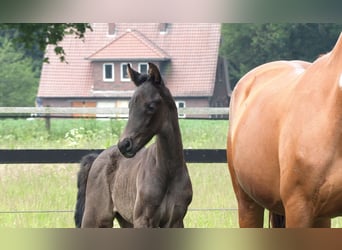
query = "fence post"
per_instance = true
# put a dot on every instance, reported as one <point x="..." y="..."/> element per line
<point x="48" y="121"/>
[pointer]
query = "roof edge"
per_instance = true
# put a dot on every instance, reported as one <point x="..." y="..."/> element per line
<point x="127" y="59"/>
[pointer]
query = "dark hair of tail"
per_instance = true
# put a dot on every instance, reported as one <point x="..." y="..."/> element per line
<point x="82" y="177"/>
<point x="277" y="221"/>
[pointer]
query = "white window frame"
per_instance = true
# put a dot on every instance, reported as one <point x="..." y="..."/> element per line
<point x="184" y="106"/>
<point x="104" y="72"/>
<point x="139" y="67"/>
<point x="121" y="73"/>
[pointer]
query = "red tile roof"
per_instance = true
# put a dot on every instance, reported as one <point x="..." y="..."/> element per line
<point x="192" y="49"/>
<point x="132" y="45"/>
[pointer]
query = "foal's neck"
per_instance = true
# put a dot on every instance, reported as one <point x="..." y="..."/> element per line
<point x="169" y="143"/>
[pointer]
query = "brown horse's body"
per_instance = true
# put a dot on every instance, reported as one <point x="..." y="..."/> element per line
<point x="284" y="141"/>
<point x="140" y="187"/>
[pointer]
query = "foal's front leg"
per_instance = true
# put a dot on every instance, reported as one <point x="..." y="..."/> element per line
<point x="145" y="215"/>
<point x="98" y="211"/>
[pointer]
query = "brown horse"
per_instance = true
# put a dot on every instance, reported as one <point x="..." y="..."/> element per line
<point x="284" y="143"/>
<point x="140" y="187"/>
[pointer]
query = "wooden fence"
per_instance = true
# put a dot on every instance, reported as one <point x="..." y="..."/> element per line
<point x="48" y="111"/>
<point x="25" y="156"/>
<point x="16" y="156"/>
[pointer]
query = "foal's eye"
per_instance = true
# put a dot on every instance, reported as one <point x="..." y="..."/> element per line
<point x="151" y="107"/>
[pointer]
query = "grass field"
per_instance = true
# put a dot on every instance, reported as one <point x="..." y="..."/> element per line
<point x="52" y="188"/>
<point x="37" y="187"/>
<point x="43" y="195"/>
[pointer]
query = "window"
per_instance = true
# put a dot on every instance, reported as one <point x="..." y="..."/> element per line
<point x="143" y="68"/>
<point x="124" y="73"/>
<point x="108" y="72"/>
<point x="180" y="104"/>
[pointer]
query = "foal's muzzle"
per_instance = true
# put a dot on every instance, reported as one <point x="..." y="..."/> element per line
<point x="126" y="147"/>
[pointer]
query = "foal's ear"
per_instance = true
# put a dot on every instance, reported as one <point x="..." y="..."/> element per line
<point x="135" y="76"/>
<point x="154" y="74"/>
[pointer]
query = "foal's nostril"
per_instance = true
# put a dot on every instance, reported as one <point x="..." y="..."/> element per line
<point x="126" y="147"/>
<point x="128" y="144"/>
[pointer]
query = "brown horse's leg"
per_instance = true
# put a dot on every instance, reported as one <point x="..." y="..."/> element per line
<point x="298" y="211"/>
<point x="251" y="215"/>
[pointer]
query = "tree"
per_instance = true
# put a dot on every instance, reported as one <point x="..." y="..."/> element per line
<point x="18" y="82"/>
<point x="248" y="45"/>
<point x="22" y="48"/>
<point x="33" y="36"/>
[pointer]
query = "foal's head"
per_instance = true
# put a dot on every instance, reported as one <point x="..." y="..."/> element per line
<point x="150" y="109"/>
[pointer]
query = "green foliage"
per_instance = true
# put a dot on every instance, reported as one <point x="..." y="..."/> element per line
<point x="69" y="133"/>
<point x="90" y="133"/>
<point x="39" y="35"/>
<point x="18" y="81"/>
<point x="22" y="47"/>
<point x="248" y="45"/>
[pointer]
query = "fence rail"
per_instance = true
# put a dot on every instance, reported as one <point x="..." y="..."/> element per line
<point x="102" y="111"/>
<point x="74" y="155"/>
<point x="27" y="156"/>
<point x="23" y="156"/>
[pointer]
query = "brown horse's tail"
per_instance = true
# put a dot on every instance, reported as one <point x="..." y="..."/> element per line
<point x="82" y="177"/>
<point x="277" y="220"/>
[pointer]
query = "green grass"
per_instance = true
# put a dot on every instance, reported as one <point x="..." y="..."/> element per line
<point x="90" y="133"/>
<point x="36" y="187"/>
<point x="52" y="187"/>
<point x="49" y="187"/>
<point x="212" y="190"/>
<point x="64" y="133"/>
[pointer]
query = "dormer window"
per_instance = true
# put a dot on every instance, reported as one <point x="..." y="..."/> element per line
<point x="164" y="28"/>
<point x="108" y="72"/>
<point x="124" y="73"/>
<point x="143" y="68"/>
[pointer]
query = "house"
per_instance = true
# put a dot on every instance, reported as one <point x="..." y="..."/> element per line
<point x="95" y="73"/>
